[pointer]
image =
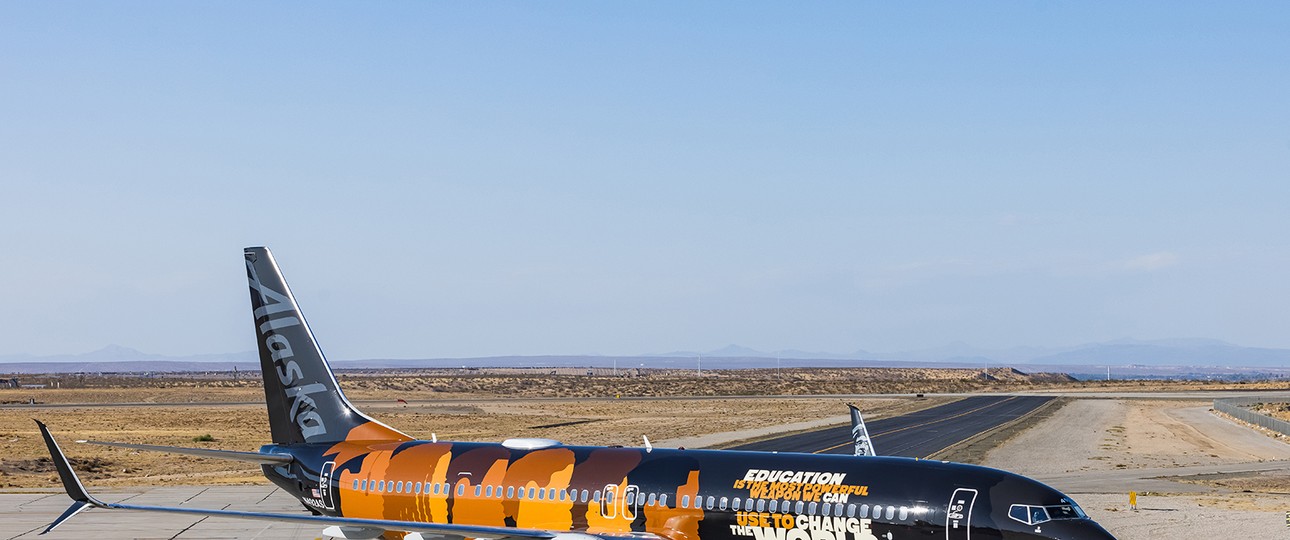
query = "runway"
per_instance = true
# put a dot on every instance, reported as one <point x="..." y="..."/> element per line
<point x="918" y="434"/>
<point x="24" y="515"/>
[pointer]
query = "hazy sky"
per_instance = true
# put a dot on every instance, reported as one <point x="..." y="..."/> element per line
<point x="442" y="179"/>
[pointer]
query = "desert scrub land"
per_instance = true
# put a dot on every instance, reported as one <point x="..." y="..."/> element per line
<point x="24" y="462"/>
<point x="1279" y="411"/>
<point x="431" y="384"/>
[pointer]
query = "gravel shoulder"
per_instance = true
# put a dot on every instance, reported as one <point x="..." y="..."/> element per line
<point x="1198" y="475"/>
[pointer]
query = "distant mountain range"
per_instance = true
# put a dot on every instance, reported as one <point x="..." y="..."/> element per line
<point x="1155" y="356"/>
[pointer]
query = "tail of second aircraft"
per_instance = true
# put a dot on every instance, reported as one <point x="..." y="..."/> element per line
<point x="305" y="403"/>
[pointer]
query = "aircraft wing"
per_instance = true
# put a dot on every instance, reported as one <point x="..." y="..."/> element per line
<point x="82" y="500"/>
<point x="253" y="457"/>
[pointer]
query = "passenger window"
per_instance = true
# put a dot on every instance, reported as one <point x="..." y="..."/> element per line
<point x="774" y="506"/>
<point x="864" y="511"/>
<point x="723" y="503"/>
<point x="650" y="501"/>
<point x="734" y="503"/>
<point x="398" y="487"/>
<point x="851" y="510"/>
<point x="811" y="510"/>
<point x="685" y="501"/>
<point x="541" y="493"/>
<point x="761" y="505"/>
<point x="662" y="500"/>
<point x="748" y="505"/>
<point x="461" y="490"/>
<point x="891" y="512"/>
<point x="479" y="490"/>
<point x="563" y="493"/>
<point x="877" y="511"/>
<point x="711" y="502"/>
<point x="837" y="509"/>
<point x="585" y="496"/>
<point x="530" y="493"/>
<point x="800" y="505"/>
<point x="828" y="510"/>
<point x="904" y="513"/>
<point x="488" y="491"/>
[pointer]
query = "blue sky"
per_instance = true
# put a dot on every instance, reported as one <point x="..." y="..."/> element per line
<point x="468" y="179"/>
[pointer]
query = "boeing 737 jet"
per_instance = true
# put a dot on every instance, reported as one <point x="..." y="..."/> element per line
<point x="361" y="479"/>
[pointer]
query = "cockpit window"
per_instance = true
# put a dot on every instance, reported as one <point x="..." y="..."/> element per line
<point x="1067" y="510"/>
<point x="1063" y="511"/>
<point x="1030" y="515"/>
<point x="1034" y="515"/>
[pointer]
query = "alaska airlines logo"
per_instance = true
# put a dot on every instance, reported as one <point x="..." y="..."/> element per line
<point x="861" y="437"/>
<point x="281" y="313"/>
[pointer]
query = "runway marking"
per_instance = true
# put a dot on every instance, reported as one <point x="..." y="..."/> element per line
<point x="38" y="527"/>
<point x="937" y="421"/>
<point x="195" y="495"/>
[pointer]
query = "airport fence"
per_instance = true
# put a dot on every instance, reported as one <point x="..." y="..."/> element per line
<point x="1236" y="408"/>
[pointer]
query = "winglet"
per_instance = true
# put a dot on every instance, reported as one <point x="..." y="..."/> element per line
<point x="860" y="433"/>
<point x="82" y="499"/>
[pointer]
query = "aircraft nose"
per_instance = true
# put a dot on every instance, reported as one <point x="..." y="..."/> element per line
<point x="1069" y="530"/>
<point x="1090" y="530"/>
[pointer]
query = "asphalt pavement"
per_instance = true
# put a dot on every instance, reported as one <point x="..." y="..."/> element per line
<point x="918" y="434"/>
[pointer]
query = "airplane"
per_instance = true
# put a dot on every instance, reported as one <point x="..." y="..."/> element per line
<point x="362" y="479"/>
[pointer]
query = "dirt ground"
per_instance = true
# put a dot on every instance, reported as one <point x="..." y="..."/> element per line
<point x="24" y="462"/>
<point x="1093" y="436"/>
<point x="1110" y="435"/>
<point x="445" y="384"/>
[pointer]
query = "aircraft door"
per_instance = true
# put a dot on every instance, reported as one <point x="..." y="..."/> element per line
<point x="324" y="485"/>
<point x="958" y="516"/>
<point x="629" y="501"/>
<point x="609" y="502"/>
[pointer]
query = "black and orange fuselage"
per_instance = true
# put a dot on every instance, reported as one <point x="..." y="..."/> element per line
<point x="671" y="493"/>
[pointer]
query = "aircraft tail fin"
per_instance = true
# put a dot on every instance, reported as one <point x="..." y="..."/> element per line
<point x="305" y="403"/>
<point x="860" y="433"/>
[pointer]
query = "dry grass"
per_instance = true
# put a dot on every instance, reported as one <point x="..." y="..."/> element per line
<point x="563" y="383"/>
<point x="456" y="405"/>
<point x="1279" y="411"/>
<point x="244" y="427"/>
